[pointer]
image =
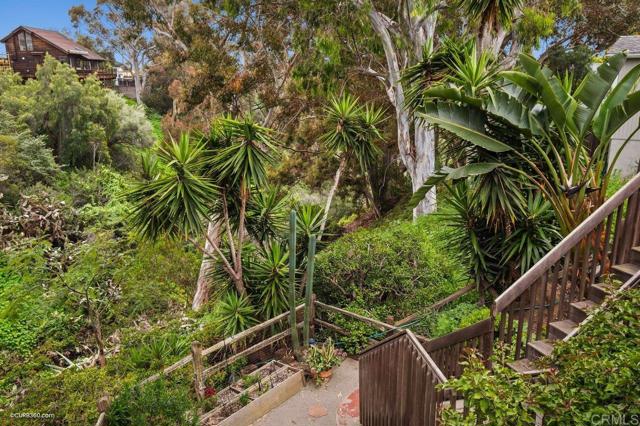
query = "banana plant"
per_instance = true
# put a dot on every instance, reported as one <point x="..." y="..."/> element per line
<point x="536" y="125"/>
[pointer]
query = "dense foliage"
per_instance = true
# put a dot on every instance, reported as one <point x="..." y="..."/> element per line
<point x="81" y="122"/>
<point x="400" y="264"/>
<point x="593" y="374"/>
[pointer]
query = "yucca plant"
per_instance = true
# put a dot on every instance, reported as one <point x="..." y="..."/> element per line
<point x="233" y="313"/>
<point x="352" y="131"/>
<point x="210" y="179"/>
<point x="269" y="271"/>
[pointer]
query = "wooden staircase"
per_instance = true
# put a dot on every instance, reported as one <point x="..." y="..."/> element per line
<point x="578" y="313"/>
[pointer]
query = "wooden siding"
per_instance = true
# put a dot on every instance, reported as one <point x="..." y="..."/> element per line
<point x="26" y="62"/>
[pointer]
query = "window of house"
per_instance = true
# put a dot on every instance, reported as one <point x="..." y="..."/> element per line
<point x="25" y="42"/>
<point x="22" y="42"/>
<point x="29" y="41"/>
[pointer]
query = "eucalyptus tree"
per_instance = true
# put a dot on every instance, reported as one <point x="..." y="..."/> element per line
<point x="113" y="29"/>
<point x="351" y="133"/>
<point x="212" y="179"/>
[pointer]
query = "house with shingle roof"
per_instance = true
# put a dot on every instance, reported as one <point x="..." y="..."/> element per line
<point x="27" y="46"/>
<point x="629" y="159"/>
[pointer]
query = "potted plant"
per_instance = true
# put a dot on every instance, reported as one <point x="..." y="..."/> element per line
<point x="322" y="358"/>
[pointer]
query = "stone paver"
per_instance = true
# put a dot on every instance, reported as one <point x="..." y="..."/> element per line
<point x="339" y="398"/>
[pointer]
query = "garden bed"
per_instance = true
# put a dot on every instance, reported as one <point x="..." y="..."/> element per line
<point x="251" y="397"/>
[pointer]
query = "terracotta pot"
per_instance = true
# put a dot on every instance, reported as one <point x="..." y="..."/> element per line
<point x="325" y="375"/>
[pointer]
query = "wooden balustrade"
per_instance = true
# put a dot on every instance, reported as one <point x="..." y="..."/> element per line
<point x="545" y="292"/>
<point x="447" y="351"/>
<point x="230" y="342"/>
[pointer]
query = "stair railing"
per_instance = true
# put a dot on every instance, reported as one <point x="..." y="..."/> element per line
<point x="399" y="383"/>
<point x="565" y="274"/>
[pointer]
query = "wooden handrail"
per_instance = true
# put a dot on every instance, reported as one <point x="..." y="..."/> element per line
<point x="569" y="242"/>
<point x="222" y="344"/>
<point x="368" y="320"/>
<point x="427" y="358"/>
<point x="459" y="336"/>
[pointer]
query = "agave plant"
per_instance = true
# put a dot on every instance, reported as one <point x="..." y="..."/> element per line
<point x="537" y="126"/>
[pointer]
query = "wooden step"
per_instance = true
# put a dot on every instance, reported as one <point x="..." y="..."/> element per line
<point x="527" y="367"/>
<point x="635" y="254"/>
<point x="558" y="330"/>
<point x="625" y="270"/>
<point x="580" y="310"/>
<point x="539" y="348"/>
<point x="599" y="292"/>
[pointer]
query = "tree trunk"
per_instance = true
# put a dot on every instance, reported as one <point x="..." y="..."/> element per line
<point x="97" y="332"/>
<point x="93" y="156"/>
<point x="206" y="267"/>
<point x="371" y="197"/>
<point x="244" y="198"/>
<point x="418" y="156"/>
<point x="425" y="163"/>
<point x="135" y="68"/>
<point x="332" y="193"/>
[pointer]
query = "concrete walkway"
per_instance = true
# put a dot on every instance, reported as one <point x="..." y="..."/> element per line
<point x="335" y="403"/>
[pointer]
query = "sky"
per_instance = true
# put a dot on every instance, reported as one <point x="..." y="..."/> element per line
<point x="47" y="14"/>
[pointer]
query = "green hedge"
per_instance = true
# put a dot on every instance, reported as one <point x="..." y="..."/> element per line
<point x="399" y="264"/>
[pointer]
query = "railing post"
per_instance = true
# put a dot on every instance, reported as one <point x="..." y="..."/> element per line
<point x="309" y="288"/>
<point x="103" y="406"/>
<point x="293" y="321"/>
<point x="198" y="370"/>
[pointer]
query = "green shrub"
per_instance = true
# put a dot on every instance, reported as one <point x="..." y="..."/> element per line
<point x="156" y="403"/>
<point x="358" y="332"/>
<point x="500" y="397"/>
<point x="390" y="264"/>
<point x="599" y="369"/>
<point x="70" y="396"/>
<point x="459" y="316"/>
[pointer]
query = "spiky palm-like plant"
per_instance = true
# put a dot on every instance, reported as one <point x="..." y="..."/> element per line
<point x="269" y="271"/>
<point x="352" y="131"/>
<point x="491" y="15"/>
<point x="233" y="314"/>
<point x="195" y="182"/>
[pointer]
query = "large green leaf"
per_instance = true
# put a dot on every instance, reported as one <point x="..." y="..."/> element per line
<point x="447" y="173"/>
<point x="611" y="120"/>
<point x="465" y="122"/>
<point x="522" y="80"/>
<point x="510" y="109"/>
<point x="451" y="94"/>
<point x="623" y="88"/>
<point x="594" y="88"/>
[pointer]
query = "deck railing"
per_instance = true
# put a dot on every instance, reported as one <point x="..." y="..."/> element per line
<point x="565" y="275"/>
<point x="447" y="351"/>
